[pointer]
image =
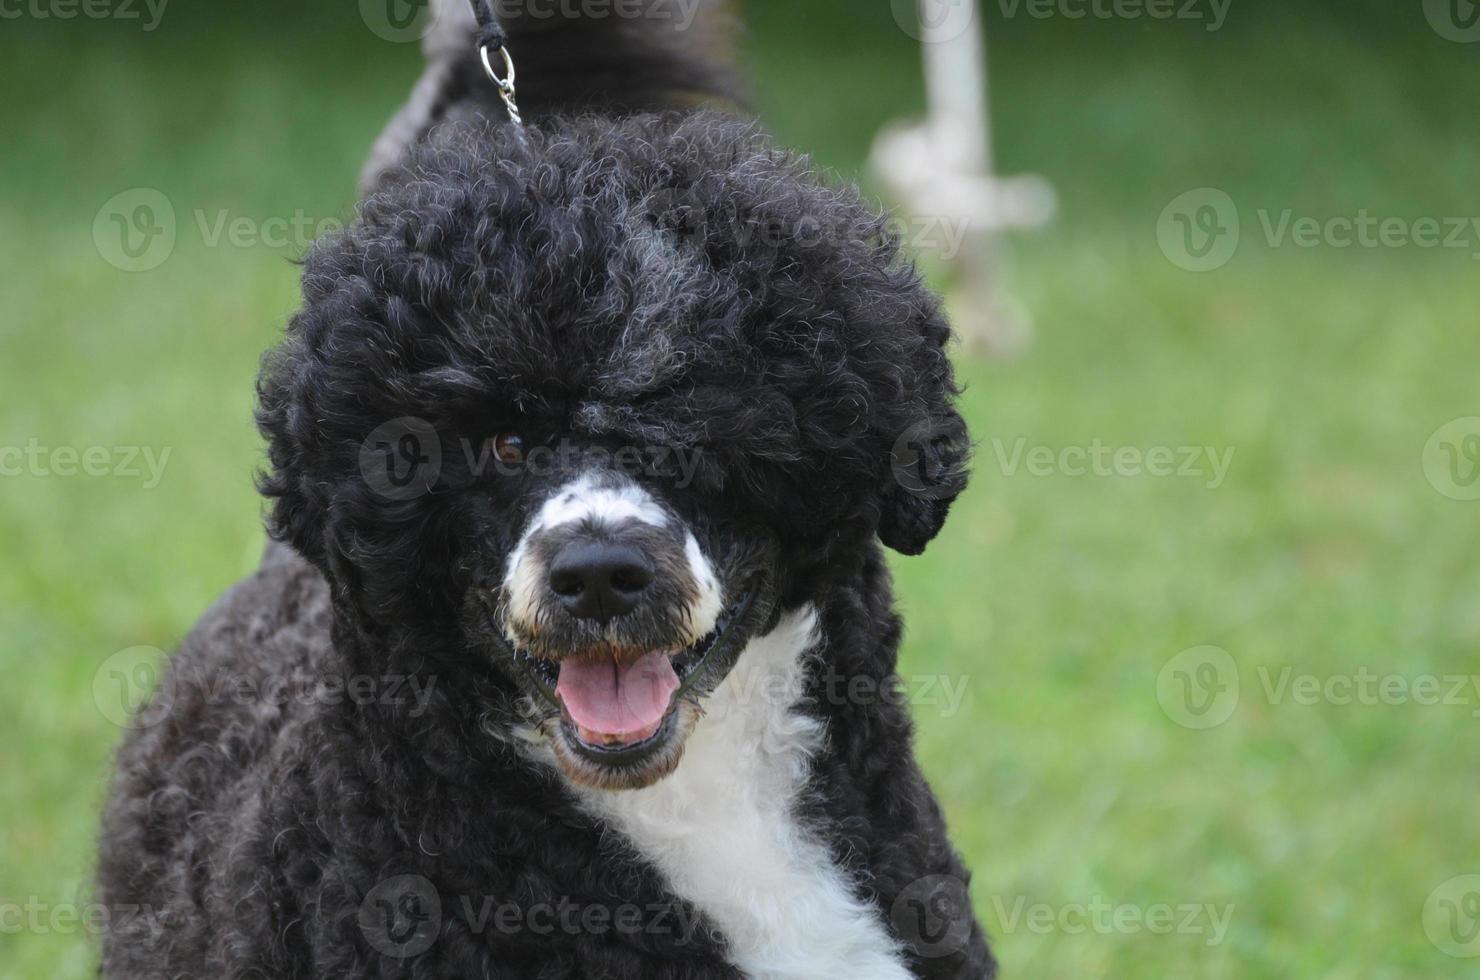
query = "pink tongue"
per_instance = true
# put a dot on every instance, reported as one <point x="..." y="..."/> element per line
<point x="609" y="701"/>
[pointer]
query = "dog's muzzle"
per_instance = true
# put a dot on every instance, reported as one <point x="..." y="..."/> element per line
<point x="617" y="626"/>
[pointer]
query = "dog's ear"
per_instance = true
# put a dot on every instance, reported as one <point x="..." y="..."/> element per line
<point x="930" y="455"/>
<point x="928" y="466"/>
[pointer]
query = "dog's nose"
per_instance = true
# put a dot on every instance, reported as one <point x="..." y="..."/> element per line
<point x="600" y="580"/>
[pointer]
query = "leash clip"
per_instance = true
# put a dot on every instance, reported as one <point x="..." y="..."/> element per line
<point x="505" y="85"/>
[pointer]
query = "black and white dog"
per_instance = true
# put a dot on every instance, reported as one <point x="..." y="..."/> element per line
<point x="575" y="657"/>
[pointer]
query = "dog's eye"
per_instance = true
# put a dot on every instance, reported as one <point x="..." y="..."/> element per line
<point x="508" y="447"/>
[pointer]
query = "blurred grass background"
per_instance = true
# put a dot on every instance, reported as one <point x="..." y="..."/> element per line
<point x="1057" y="599"/>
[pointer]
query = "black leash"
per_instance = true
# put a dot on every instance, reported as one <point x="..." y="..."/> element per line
<point x="491" y="37"/>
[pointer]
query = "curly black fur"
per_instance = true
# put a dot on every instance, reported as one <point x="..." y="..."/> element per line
<point x="660" y="280"/>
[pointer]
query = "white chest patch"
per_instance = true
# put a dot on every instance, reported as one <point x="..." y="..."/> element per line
<point x="722" y="830"/>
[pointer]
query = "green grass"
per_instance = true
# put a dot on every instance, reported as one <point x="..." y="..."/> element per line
<point x="1056" y="599"/>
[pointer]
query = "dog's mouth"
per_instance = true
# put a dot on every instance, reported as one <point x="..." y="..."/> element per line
<point x="622" y="708"/>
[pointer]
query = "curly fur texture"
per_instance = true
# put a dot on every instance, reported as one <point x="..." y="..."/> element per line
<point x="664" y="281"/>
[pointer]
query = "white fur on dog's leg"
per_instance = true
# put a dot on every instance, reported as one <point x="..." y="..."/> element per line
<point x="723" y="831"/>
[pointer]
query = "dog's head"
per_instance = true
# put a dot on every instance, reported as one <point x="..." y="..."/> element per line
<point x="587" y="410"/>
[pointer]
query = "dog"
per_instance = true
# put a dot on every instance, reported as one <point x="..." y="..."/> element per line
<point x="574" y="654"/>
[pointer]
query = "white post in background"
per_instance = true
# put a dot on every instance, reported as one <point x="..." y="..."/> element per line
<point x="956" y="90"/>
<point x="941" y="171"/>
